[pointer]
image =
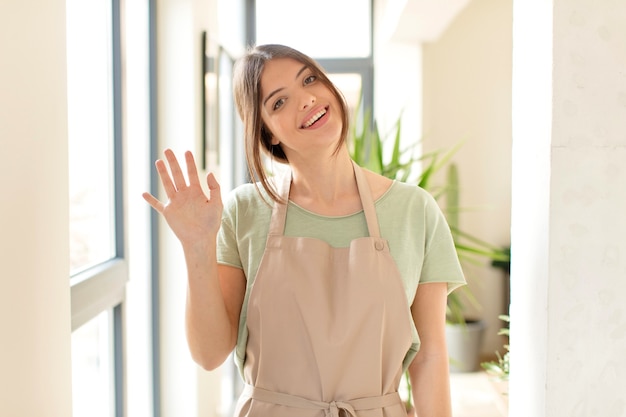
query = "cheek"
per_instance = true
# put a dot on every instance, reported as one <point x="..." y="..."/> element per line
<point x="278" y="123"/>
<point x="337" y="104"/>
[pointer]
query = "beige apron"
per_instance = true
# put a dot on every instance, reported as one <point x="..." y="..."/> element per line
<point x="328" y="327"/>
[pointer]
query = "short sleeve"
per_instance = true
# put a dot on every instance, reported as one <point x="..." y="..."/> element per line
<point x="227" y="248"/>
<point x="441" y="262"/>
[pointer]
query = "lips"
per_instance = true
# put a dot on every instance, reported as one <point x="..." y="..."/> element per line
<point x="314" y="117"/>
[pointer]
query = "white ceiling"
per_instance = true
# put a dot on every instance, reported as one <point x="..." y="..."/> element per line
<point x="418" y="21"/>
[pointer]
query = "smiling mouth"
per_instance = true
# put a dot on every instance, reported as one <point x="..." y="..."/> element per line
<point x="315" y="118"/>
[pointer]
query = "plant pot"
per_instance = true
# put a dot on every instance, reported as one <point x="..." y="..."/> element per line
<point x="464" y="343"/>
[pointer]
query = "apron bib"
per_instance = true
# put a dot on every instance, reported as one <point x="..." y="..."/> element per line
<point x="328" y="327"/>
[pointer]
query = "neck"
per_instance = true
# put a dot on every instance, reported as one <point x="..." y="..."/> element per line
<point x="324" y="181"/>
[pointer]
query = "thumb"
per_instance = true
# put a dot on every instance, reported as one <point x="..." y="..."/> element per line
<point x="214" y="186"/>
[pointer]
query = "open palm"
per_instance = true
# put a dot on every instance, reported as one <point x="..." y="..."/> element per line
<point x="193" y="216"/>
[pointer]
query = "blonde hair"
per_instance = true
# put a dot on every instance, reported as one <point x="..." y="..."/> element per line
<point x="247" y="94"/>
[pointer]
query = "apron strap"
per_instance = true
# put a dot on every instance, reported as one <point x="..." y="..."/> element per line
<point x="367" y="201"/>
<point x="279" y="212"/>
<point x="331" y="409"/>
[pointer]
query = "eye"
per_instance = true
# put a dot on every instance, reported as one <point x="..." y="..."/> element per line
<point x="310" y="79"/>
<point x="278" y="104"/>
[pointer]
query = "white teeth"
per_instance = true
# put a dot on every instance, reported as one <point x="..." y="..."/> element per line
<point x="315" y="118"/>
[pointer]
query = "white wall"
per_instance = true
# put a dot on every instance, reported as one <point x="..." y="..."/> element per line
<point x="397" y="79"/>
<point x="568" y="318"/>
<point x="467" y="97"/>
<point x="186" y="389"/>
<point x="35" y="376"/>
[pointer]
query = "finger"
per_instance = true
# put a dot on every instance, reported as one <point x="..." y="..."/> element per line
<point x="214" y="187"/>
<point x="192" y="171"/>
<point x="168" y="185"/>
<point x="177" y="173"/>
<point x="156" y="204"/>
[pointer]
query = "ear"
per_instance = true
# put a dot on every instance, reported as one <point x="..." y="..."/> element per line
<point x="275" y="141"/>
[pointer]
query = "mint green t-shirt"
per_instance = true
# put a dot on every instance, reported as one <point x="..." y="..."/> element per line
<point x="410" y="220"/>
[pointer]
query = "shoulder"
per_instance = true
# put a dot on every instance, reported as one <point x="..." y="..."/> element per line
<point x="252" y="193"/>
<point x="383" y="187"/>
<point x="409" y="195"/>
<point x="247" y="198"/>
<point x="244" y="192"/>
<point x="409" y="202"/>
<point x="378" y="184"/>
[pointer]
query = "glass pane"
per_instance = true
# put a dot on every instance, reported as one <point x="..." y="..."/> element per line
<point x="345" y="33"/>
<point x="92" y="368"/>
<point x="351" y="86"/>
<point x="90" y="129"/>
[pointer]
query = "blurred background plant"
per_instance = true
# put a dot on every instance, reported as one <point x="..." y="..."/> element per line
<point x="500" y="368"/>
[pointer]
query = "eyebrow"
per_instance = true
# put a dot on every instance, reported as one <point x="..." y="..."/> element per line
<point x="270" y="95"/>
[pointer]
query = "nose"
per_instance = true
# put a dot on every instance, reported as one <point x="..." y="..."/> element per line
<point x="307" y="100"/>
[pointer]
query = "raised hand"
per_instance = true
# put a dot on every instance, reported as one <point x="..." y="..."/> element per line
<point x="193" y="217"/>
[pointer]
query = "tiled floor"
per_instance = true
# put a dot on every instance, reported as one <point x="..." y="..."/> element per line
<point x="475" y="394"/>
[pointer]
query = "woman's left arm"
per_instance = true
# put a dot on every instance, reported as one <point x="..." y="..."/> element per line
<point x="429" y="372"/>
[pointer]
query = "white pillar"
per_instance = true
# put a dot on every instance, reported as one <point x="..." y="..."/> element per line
<point x="35" y="365"/>
<point x="568" y="321"/>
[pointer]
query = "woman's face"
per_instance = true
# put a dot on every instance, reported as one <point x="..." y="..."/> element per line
<point x="302" y="113"/>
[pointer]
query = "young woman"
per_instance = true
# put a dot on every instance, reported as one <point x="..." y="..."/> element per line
<point x="328" y="282"/>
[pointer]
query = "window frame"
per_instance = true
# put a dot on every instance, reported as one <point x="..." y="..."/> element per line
<point x="362" y="66"/>
<point x="102" y="287"/>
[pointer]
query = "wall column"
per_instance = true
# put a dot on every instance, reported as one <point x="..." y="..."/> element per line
<point x="35" y="364"/>
<point x="568" y="320"/>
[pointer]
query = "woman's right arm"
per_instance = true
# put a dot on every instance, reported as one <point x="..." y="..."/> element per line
<point x="215" y="293"/>
<point x="213" y="308"/>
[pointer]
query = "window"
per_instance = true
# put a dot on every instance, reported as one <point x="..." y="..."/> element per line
<point x="98" y="268"/>
<point x="92" y="368"/>
<point x="346" y="27"/>
<point x="90" y="129"/>
<point x="351" y="85"/>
